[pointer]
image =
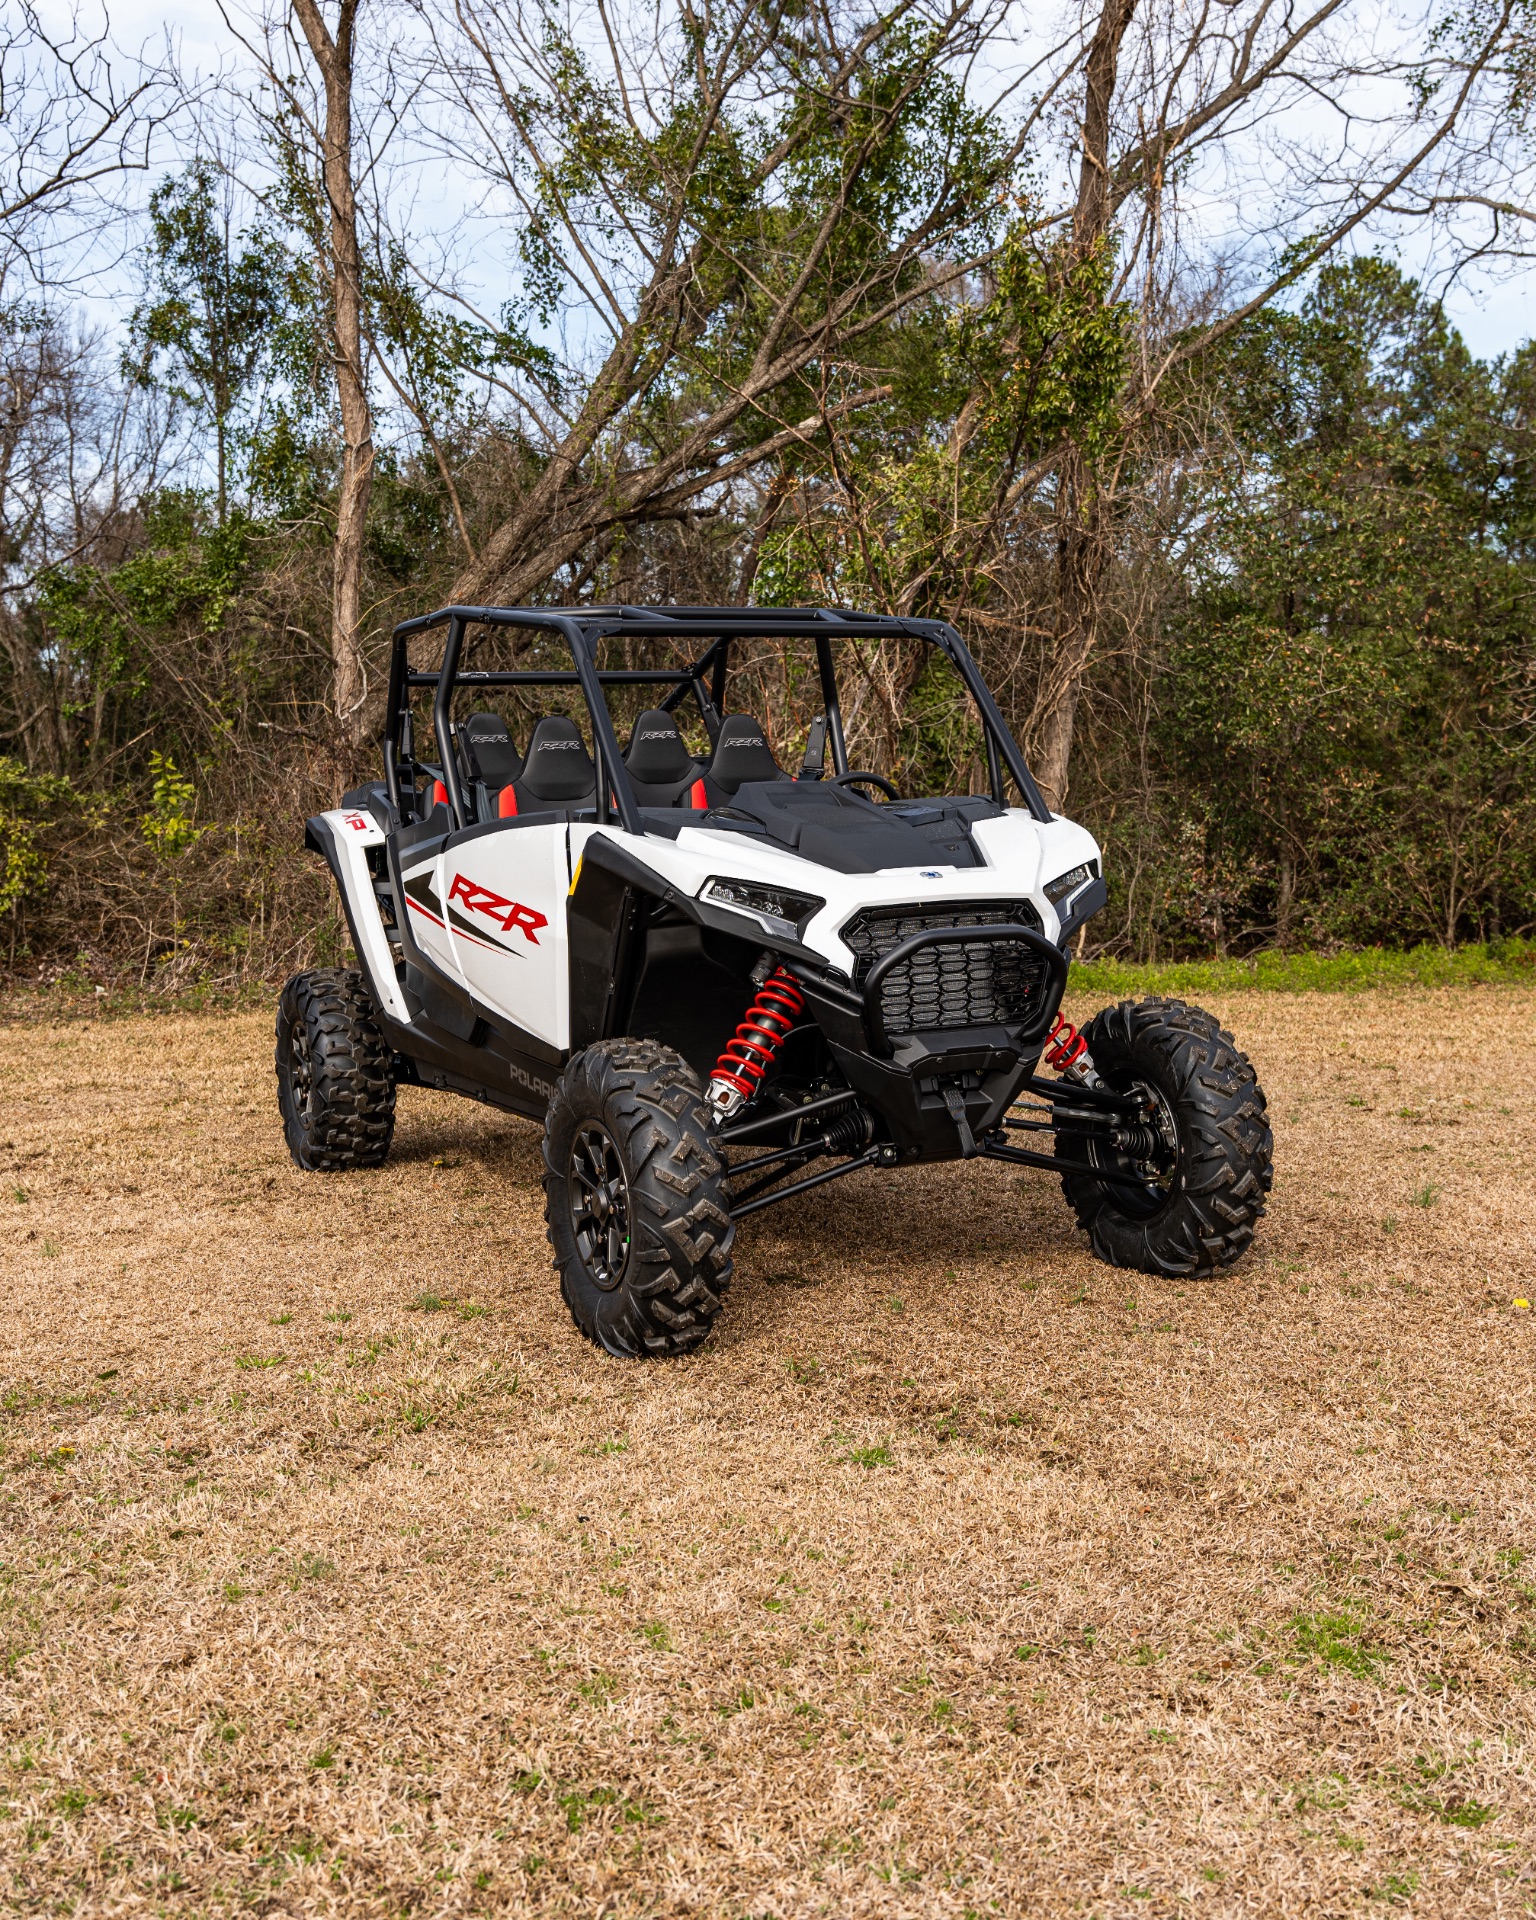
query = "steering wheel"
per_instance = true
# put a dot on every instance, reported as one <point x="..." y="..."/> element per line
<point x="865" y="779"/>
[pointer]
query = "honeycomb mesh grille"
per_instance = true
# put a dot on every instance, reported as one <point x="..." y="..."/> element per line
<point x="980" y="983"/>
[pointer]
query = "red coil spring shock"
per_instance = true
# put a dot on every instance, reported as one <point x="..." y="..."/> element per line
<point x="752" y="1051"/>
<point x="1067" y="1051"/>
<point x="1064" y="1045"/>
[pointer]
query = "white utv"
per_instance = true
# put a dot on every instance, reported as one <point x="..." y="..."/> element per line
<point x="718" y="982"/>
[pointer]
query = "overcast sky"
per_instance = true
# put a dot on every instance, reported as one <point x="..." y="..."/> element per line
<point x="1494" y="310"/>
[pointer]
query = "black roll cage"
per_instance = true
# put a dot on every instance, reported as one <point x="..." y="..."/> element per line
<point x="582" y="628"/>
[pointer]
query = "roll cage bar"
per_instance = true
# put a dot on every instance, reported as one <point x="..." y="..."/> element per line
<point x="581" y="629"/>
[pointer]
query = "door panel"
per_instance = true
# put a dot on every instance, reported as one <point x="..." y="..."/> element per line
<point x="504" y="898"/>
<point x="423" y="886"/>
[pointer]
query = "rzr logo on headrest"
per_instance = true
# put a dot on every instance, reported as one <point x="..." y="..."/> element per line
<point x="558" y="746"/>
<point x="658" y="733"/>
<point x="746" y="740"/>
<point x="508" y="914"/>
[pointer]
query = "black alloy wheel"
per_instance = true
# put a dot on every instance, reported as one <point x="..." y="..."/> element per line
<point x="599" y="1201"/>
<point x="1201" y="1148"/>
<point x="335" y="1077"/>
<point x="635" y="1199"/>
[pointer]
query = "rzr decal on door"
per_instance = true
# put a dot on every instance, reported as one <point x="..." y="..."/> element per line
<point x="510" y="915"/>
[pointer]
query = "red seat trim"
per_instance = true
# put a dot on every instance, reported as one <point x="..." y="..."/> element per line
<point x="506" y="805"/>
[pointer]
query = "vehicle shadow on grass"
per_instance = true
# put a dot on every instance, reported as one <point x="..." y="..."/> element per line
<point x="928" y="1219"/>
<point x="500" y="1144"/>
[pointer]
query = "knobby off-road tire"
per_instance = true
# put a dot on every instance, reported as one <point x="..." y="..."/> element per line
<point x="334" y="1083"/>
<point x="1207" y="1090"/>
<point x="633" y="1198"/>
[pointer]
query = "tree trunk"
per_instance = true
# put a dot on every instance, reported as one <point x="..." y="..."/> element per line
<point x="1082" y="542"/>
<point x="333" y="57"/>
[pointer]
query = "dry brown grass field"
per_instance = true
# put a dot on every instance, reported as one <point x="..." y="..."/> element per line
<point x="957" y="1575"/>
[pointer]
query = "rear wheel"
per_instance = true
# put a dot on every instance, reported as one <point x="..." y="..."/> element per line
<point x="334" y="1084"/>
<point x="1202" y="1163"/>
<point x="634" y="1202"/>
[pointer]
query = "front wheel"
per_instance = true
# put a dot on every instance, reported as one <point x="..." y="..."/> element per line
<point x="1208" y="1168"/>
<point x="634" y="1201"/>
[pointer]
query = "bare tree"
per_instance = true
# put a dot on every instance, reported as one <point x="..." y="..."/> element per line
<point x="332" y="53"/>
<point x="71" y="124"/>
<point x="1201" y="89"/>
<point x="733" y="208"/>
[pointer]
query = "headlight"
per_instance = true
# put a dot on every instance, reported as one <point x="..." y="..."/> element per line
<point x="1057" y="890"/>
<point x="779" y="910"/>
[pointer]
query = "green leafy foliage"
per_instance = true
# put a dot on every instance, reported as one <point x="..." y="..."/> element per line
<point x="1347" y="713"/>
<point x="214" y="300"/>
<point x="27" y="801"/>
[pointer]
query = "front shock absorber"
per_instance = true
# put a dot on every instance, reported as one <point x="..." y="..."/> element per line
<point x="1067" y="1051"/>
<point x="754" y="1047"/>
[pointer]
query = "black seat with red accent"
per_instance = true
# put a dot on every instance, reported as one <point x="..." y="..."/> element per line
<point x="558" y="774"/>
<point x="488" y="759"/>
<point x="742" y="754"/>
<point x="661" y="770"/>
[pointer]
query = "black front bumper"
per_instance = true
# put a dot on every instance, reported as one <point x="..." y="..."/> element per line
<point x="921" y="1083"/>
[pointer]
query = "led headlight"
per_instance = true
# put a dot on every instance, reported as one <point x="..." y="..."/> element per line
<point x="1057" y="890"/>
<point x="776" y="908"/>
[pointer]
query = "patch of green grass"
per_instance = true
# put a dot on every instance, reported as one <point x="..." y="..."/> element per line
<point x="655" y="1633"/>
<point x="870" y="1456"/>
<point x="1498" y="963"/>
<point x="247" y="1361"/>
<point x="339" y="1318"/>
<point x="427" y="1303"/>
<point x="279" y="1319"/>
<point x="1334" y="1640"/>
<point x="1397" y="1886"/>
<point x="1427" y="1195"/>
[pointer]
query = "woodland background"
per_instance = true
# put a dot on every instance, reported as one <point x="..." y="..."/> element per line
<point x="1087" y="330"/>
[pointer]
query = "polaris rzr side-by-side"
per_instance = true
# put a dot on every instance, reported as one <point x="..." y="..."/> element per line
<point x="719" y="982"/>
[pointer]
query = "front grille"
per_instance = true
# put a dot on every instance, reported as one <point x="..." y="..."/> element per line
<point x="980" y="983"/>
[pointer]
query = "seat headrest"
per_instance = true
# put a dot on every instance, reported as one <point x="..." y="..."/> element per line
<point x="490" y="750"/>
<point x="558" y="767"/>
<point x="742" y="753"/>
<point x="656" y="754"/>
